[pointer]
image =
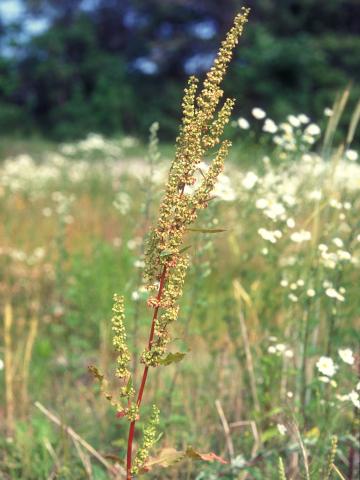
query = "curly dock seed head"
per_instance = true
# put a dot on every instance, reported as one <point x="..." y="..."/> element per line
<point x="119" y="338"/>
<point x="199" y="133"/>
<point x="165" y="265"/>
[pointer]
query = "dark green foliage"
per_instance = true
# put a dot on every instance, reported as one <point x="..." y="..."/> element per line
<point x="80" y="75"/>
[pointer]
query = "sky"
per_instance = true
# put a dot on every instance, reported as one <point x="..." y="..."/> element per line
<point x="13" y="11"/>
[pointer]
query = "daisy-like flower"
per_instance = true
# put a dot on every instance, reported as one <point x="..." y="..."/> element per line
<point x="301" y="236"/>
<point x="352" y="155"/>
<point x="303" y="118"/>
<point x="346" y="355"/>
<point x="250" y="180"/>
<point x="269" y="126"/>
<point x="326" y="366"/>
<point x="354" y="398"/>
<point x="281" y="428"/>
<point x="332" y="293"/>
<point x="269" y="235"/>
<point x="290" y="222"/>
<point x="243" y="123"/>
<point x="258" y="113"/>
<point x="338" y="242"/>
<point x="312" y="129"/>
<point x="328" y="112"/>
<point x="294" y="121"/>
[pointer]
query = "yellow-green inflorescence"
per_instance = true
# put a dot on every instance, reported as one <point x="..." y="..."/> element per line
<point x="149" y="438"/>
<point x="165" y="263"/>
<point x="123" y="358"/>
<point x="200" y="132"/>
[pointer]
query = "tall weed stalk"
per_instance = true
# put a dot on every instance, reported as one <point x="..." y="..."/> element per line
<point x="166" y="262"/>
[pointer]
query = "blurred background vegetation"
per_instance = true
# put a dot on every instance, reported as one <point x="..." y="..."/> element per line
<point x="114" y="66"/>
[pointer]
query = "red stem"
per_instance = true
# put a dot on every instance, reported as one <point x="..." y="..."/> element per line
<point x="143" y="380"/>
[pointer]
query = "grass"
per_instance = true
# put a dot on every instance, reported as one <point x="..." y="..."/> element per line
<point x="260" y="309"/>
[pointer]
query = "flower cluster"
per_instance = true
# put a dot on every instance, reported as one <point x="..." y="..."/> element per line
<point x="149" y="438"/>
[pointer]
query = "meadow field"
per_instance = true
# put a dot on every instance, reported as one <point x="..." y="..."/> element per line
<point x="269" y="316"/>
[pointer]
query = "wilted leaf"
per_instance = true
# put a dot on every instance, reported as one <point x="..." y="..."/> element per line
<point x="169" y="456"/>
<point x="207" y="457"/>
<point x="172" y="358"/>
<point x="166" y="458"/>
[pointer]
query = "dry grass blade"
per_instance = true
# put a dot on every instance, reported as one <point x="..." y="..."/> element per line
<point x="338" y="109"/>
<point x="85" y="460"/>
<point x="226" y="428"/>
<point x="118" y="474"/>
<point x="337" y="471"/>
<point x="27" y="359"/>
<point x="9" y="368"/>
<point x="303" y="452"/>
<point x="353" y="124"/>
<point x="239" y="295"/>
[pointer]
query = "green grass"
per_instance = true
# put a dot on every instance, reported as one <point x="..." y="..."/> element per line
<point x="88" y="251"/>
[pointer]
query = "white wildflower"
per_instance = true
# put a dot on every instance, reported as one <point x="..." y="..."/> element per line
<point x="270" y="126"/>
<point x="328" y="112"/>
<point x="1" y="364"/>
<point x="293" y="297"/>
<point x="243" y="123"/>
<point x="139" y="264"/>
<point x="258" y="113"/>
<point x="281" y="428"/>
<point x="326" y="366"/>
<point x="354" y="397"/>
<point x="135" y="296"/>
<point x="312" y="129"/>
<point x="301" y="236"/>
<point x="352" y="155"/>
<point x="332" y="293"/>
<point x="269" y="235"/>
<point x="338" y="242"/>
<point x="310" y="292"/>
<point x="303" y="118"/>
<point x="294" y="121"/>
<point x="290" y="222"/>
<point x="250" y="180"/>
<point x="346" y="355"/>
<point x="271" y="349"/>
<point x="261" y="203"/>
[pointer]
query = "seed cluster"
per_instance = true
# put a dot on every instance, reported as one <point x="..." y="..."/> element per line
<point x="149" y="438"/>
<point x="199" y="134"/>
<point x="165" y="262"/>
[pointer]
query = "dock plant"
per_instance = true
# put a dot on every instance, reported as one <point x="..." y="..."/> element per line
<point x="166" y="257"/>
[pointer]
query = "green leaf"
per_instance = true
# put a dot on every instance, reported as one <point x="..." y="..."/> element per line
<point x="185" y="248"/>
<point x="166" y="253"/>
<point x="129" y="385"/>
<point x="207" y="230"/>
<point x="269" y="434"/>
<point x="172" y="358"/>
